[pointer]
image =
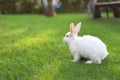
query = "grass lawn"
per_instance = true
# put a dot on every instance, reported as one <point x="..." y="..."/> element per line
<point x="32" y="48"/>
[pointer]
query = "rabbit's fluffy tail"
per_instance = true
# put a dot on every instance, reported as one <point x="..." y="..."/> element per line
<point x="106" y="53"/>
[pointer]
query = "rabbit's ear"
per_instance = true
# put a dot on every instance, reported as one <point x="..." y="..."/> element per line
<point x="72" y="27"/>
<point x="77" y="28"/>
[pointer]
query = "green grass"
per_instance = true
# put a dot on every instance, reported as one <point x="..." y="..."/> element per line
<point x="32" y="48"/>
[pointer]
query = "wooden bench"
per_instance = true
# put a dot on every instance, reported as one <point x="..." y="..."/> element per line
<point x="114" y="5"/>
<point x="108" y="3"/>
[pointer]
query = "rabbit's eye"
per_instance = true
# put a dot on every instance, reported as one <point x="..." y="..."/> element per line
<point x="67" y="35"/>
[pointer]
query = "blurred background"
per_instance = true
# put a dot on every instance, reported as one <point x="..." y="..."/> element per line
<point x="48" y="7"/>
<point x="36" y="6"/>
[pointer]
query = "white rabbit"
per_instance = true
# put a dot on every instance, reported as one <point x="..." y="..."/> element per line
<point x="88" y="47"/>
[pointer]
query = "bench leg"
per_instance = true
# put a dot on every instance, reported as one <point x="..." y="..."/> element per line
<point x="96" y="13"/>
<point x="116" y="12"/>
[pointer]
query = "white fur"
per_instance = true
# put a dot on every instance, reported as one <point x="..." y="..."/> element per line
<point x="89" y="47"/>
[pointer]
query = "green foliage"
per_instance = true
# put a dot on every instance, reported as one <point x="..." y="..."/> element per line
<point x="9" y="6"/>
<point x="32" y="48"/>
<point x="72" y="6"/>
<point x="36" y="6"/>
